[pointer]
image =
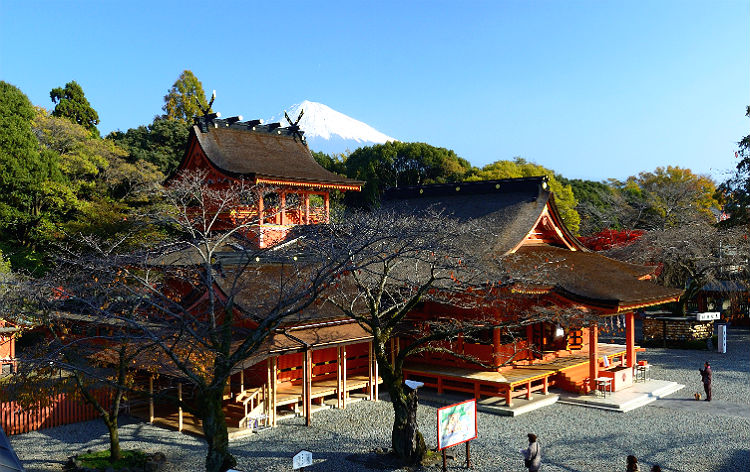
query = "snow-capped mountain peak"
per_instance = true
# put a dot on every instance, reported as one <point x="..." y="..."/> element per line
<point x="328" y="130"/>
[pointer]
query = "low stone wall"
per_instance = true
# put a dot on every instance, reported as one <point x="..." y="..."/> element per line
<point x="676" y="329"/>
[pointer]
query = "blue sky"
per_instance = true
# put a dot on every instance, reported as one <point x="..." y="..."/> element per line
<point x="590" y="89"/>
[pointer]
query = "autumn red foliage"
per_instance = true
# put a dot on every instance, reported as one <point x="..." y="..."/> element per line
<point x="611" y="238"/>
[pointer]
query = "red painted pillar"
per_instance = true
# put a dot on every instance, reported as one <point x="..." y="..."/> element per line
<point x="593" y="355"/>
<point x="630" y="339"/>
<point x="327" y="203"/>
<point x="496" y="344"/>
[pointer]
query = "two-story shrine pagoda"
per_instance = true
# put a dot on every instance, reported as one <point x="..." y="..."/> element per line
<point x="298" y="188"/>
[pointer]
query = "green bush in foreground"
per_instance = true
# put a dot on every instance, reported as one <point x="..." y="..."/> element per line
<point x="100" y="459"/>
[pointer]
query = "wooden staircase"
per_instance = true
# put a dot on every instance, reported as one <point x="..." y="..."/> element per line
<point x="247" y="410"/>
<point x="573" y="379"/>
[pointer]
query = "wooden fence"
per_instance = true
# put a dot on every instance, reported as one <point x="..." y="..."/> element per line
<point x="63" y="408"/>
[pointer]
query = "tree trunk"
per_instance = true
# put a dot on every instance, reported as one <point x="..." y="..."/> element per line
<point x="115" y="454"/>
<point x="407" y="441"/>
<point x="215" y="430"/>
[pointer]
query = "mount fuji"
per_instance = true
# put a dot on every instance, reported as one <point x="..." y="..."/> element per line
<point x="330" y="131"/>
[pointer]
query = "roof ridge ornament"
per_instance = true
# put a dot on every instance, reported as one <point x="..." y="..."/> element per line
<point x="294" y="126"/>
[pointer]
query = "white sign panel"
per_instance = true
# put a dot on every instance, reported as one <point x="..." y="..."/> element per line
<point x="457" y="423"/>
<point x="302" y="459"/>
<point x="723" y="339"/>
<point x="708" y="316"/>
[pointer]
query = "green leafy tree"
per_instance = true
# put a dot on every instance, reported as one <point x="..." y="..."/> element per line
<point x="737" y="188"/>
<point x="398" y="164"/>
<point x="186" y="99"/>
<point x="668" y="197"/>
<point x="518" y="167"/>
<point x="335" y="162"/>
<point x="31" y="183"/>
<point x="162" y="143"/>
<point x="71" y="103"/>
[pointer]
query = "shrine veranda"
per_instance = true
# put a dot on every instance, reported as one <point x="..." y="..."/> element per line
<point x="676" y="432"/>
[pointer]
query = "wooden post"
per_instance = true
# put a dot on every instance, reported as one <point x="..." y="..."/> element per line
<point x="530" y="339"/>
<point x="496" y="346"/>
<point x="282" y="204"/>
<point x="242" y="380"/>
<point x="468" y="455"/>
<point x="272" y="393"/>
<point x="327" y="201"/>
<point x="343" y="376"/>
<point x="307" y="208"/>
<point x="307" y="393"/>
<point x="339" y="381"/>
<point x="179" y="411"/>
<point x="369" y="371"/>
<point x="545" y="385"/>
<point x="151" y="399"/>
<point x="445" y="466"/>
<point x="528" y="390"/>
<point x="593" y="355"/>
<point x="630" y="339"/>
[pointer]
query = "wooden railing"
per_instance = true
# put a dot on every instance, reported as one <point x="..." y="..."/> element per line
<point x="254" y="402"/>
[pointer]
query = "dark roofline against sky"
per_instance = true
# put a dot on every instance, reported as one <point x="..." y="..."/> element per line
<point x="529" y="184"/>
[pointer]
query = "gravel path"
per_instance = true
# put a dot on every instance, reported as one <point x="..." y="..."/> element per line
<point x="679" y="435"/>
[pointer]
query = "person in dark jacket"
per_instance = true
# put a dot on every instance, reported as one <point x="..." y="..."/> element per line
<point x="532" y="455"/>
<point x="632" y="464"/>
<point x="706" y="379"/>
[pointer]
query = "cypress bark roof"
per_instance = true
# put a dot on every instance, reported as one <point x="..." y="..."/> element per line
<point x="271" y="155"/>
<point x="508" y="211"/>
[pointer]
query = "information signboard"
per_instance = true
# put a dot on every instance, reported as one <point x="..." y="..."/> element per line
<point x="457" y="423"/>
<point x="302" y="459"/>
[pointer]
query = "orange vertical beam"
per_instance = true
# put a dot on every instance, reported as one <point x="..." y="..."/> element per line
<point x="496" y="347"/>
<point x="327" y="200"/>
<point x="282" y="203"/>
<point x="307" y="208"/>
<point x="593" y="354"/>
<point x="630" y="339"/>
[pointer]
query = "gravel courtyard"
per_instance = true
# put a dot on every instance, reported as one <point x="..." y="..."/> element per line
<point x="677" y="432"/>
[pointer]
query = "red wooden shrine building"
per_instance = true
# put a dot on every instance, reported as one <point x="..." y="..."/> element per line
<point x="527" y="236"/>
<point x="324" y="359"/>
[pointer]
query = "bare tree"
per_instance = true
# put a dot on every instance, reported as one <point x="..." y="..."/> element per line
<point x="397" y="262"/>
<point x="202" y="297"/>
<point x="692" y="255"/>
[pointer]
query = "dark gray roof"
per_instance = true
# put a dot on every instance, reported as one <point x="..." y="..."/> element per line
<point x="506" y="208"/>
<point x="263" y="154"/>
<point x="507" y="211"/>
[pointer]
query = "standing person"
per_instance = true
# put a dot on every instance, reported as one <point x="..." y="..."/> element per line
<point x="655" y="468"/>
<point x="532" y="455"/>
<point x="632" y="464"/>
<point x="706" y="379"/>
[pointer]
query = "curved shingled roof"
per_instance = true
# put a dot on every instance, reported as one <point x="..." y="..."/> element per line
<point x="508" y="210"/>
<point x="237" y="151"/>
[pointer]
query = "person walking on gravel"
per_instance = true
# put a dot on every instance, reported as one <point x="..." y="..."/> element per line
<point x="532" y="456"/>
<point x="706" y="379"/>
<point x="632" y="464"/>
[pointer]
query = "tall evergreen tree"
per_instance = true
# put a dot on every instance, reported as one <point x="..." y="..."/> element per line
<point x="186" y="99"/>
<point x="29" y="178"/>
<point x="71" y="103"/>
